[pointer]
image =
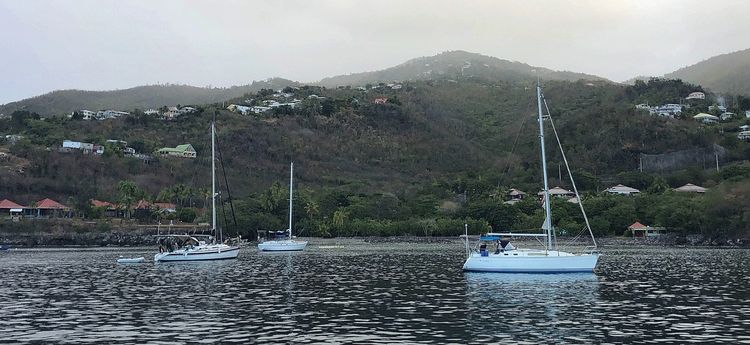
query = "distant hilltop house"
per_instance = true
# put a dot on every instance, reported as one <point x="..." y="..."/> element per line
<point x="87" y="114"/>
<point x="706" y="118"/>
<point x="744" y="135"/>
<point x="380" y="100"/>
<point x="726" y="116"/>
<point x="622" y="190"/>
<point x="183" y="151"/>
<point x="266" y="106"/>
<point x="667" y="110"/>
<point x="696" y="95"/>
<point x="747" y="114"/>
<point x="86" y="148"/>
<point x="171" y="112"/>
<point x="720" y="108"/>
<point x="690" y="188"/>
<point x="110" y="114"/>
<point x="13" y="138"/>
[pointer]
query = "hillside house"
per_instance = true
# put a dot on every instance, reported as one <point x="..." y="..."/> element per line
<point x="110" y="114"/>
<point x="241" y="109"/>
<point x="85" y="148"/>
<point x="713" y="108"/>
<point x="558" y="192"/>
<point x="315" y="97"/>
<point x="690" y="188"/>
<point x="745" y="128"/>
<point x="747" y="114"/>
<point x="259" y="109"/>
<point x="171" y="113"/>
<point x="152" y="112"/>
<point x="187" y="110"/>
<point x="744" y="135"/>
<point x="182" y="151"/>
<point x="110" y="209"/>
<point x="514" y="196"/>
<point x="644" y="231"/>
<point x="10" y="209"/>
<point x="380" y="100"/>
<point x="51" y="208"/>
<point x="622" y="190"/>
<point x="696" y="95"/>
<point x="706" y="118"/>
<point x="13" y="138"/>
<point x="726" y="116"/>
<point x="87" y="114"/>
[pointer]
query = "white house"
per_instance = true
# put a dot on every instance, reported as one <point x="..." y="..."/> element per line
<point x="259" y="109"/>
<point x="558" y="192"/>
<point x="151" y="112"/>
<point x="87" y="114"/>
<point x="690" y="188"/>
<point x="706" y="118"/>
<point x="747" y="114"/>
<point x="622" y="190"/>
<point x="745" y="128"/>
<point x="186" y="110"/>
<point x="110" y="114"/>
<point x="726" y="116"/>
<point x="744" y="135"/>
<point x="696" y="95"/>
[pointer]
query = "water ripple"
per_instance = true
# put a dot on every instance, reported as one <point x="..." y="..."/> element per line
<point x="379" y="294"/>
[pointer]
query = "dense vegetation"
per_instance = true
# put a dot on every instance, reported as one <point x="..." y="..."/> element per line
<point x="436" y="155"/>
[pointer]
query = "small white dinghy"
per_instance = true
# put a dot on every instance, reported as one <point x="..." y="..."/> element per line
<point x="139" y="260"/>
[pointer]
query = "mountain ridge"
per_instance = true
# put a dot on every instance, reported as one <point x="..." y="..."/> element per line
<point x="454" y="63"/>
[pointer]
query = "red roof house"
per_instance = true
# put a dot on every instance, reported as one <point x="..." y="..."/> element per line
<point x="6" y="204"/>
<point x="49" y="204"/>
<point x="99" y="203"/>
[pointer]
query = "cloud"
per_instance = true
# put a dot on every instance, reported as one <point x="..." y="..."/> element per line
<point x="116" y="44"/>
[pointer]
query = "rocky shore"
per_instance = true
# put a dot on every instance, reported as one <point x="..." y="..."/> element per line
<point x="93" y="234"/>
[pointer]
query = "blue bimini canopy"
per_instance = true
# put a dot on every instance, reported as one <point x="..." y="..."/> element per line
<point x="489" y="238"/>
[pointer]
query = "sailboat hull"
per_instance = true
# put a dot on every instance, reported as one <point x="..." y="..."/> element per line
<point x="202" y="254"/>
<point x="282" y="246"/>
<point x="531" y="262"/>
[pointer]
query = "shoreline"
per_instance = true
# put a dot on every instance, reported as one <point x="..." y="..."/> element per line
<point x="129" y="238"/>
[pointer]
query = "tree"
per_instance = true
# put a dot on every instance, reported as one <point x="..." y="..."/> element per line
<point x="186" y="215"/>
<point x="130" y="193"/>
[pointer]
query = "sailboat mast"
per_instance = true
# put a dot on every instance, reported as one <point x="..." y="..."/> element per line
<point x="213" y="175"/>
<point x="547" y="212"/>
<point x="291" y="177"/>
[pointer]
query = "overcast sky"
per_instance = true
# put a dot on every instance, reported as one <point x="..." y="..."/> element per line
<point x="102" y="44"/>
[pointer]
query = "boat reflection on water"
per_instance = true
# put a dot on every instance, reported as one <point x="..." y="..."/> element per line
<point x="519" y="307"/>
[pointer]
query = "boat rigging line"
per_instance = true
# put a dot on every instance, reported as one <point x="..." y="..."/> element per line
<point x="567" y="167"/>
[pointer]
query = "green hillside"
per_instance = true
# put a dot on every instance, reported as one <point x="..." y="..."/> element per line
<point x="141" y="97"/>
<point x="453" y="65"/>
<point x="728" y="73"/>
<point x="436" y="154"/>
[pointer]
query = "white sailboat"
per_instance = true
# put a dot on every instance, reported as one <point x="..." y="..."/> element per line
<point x="189" y="248"/>
<point x="288" y="244"/>
<point x="506" y="258"/>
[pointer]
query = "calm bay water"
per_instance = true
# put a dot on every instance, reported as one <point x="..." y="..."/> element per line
<point x="354" y="292"/>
